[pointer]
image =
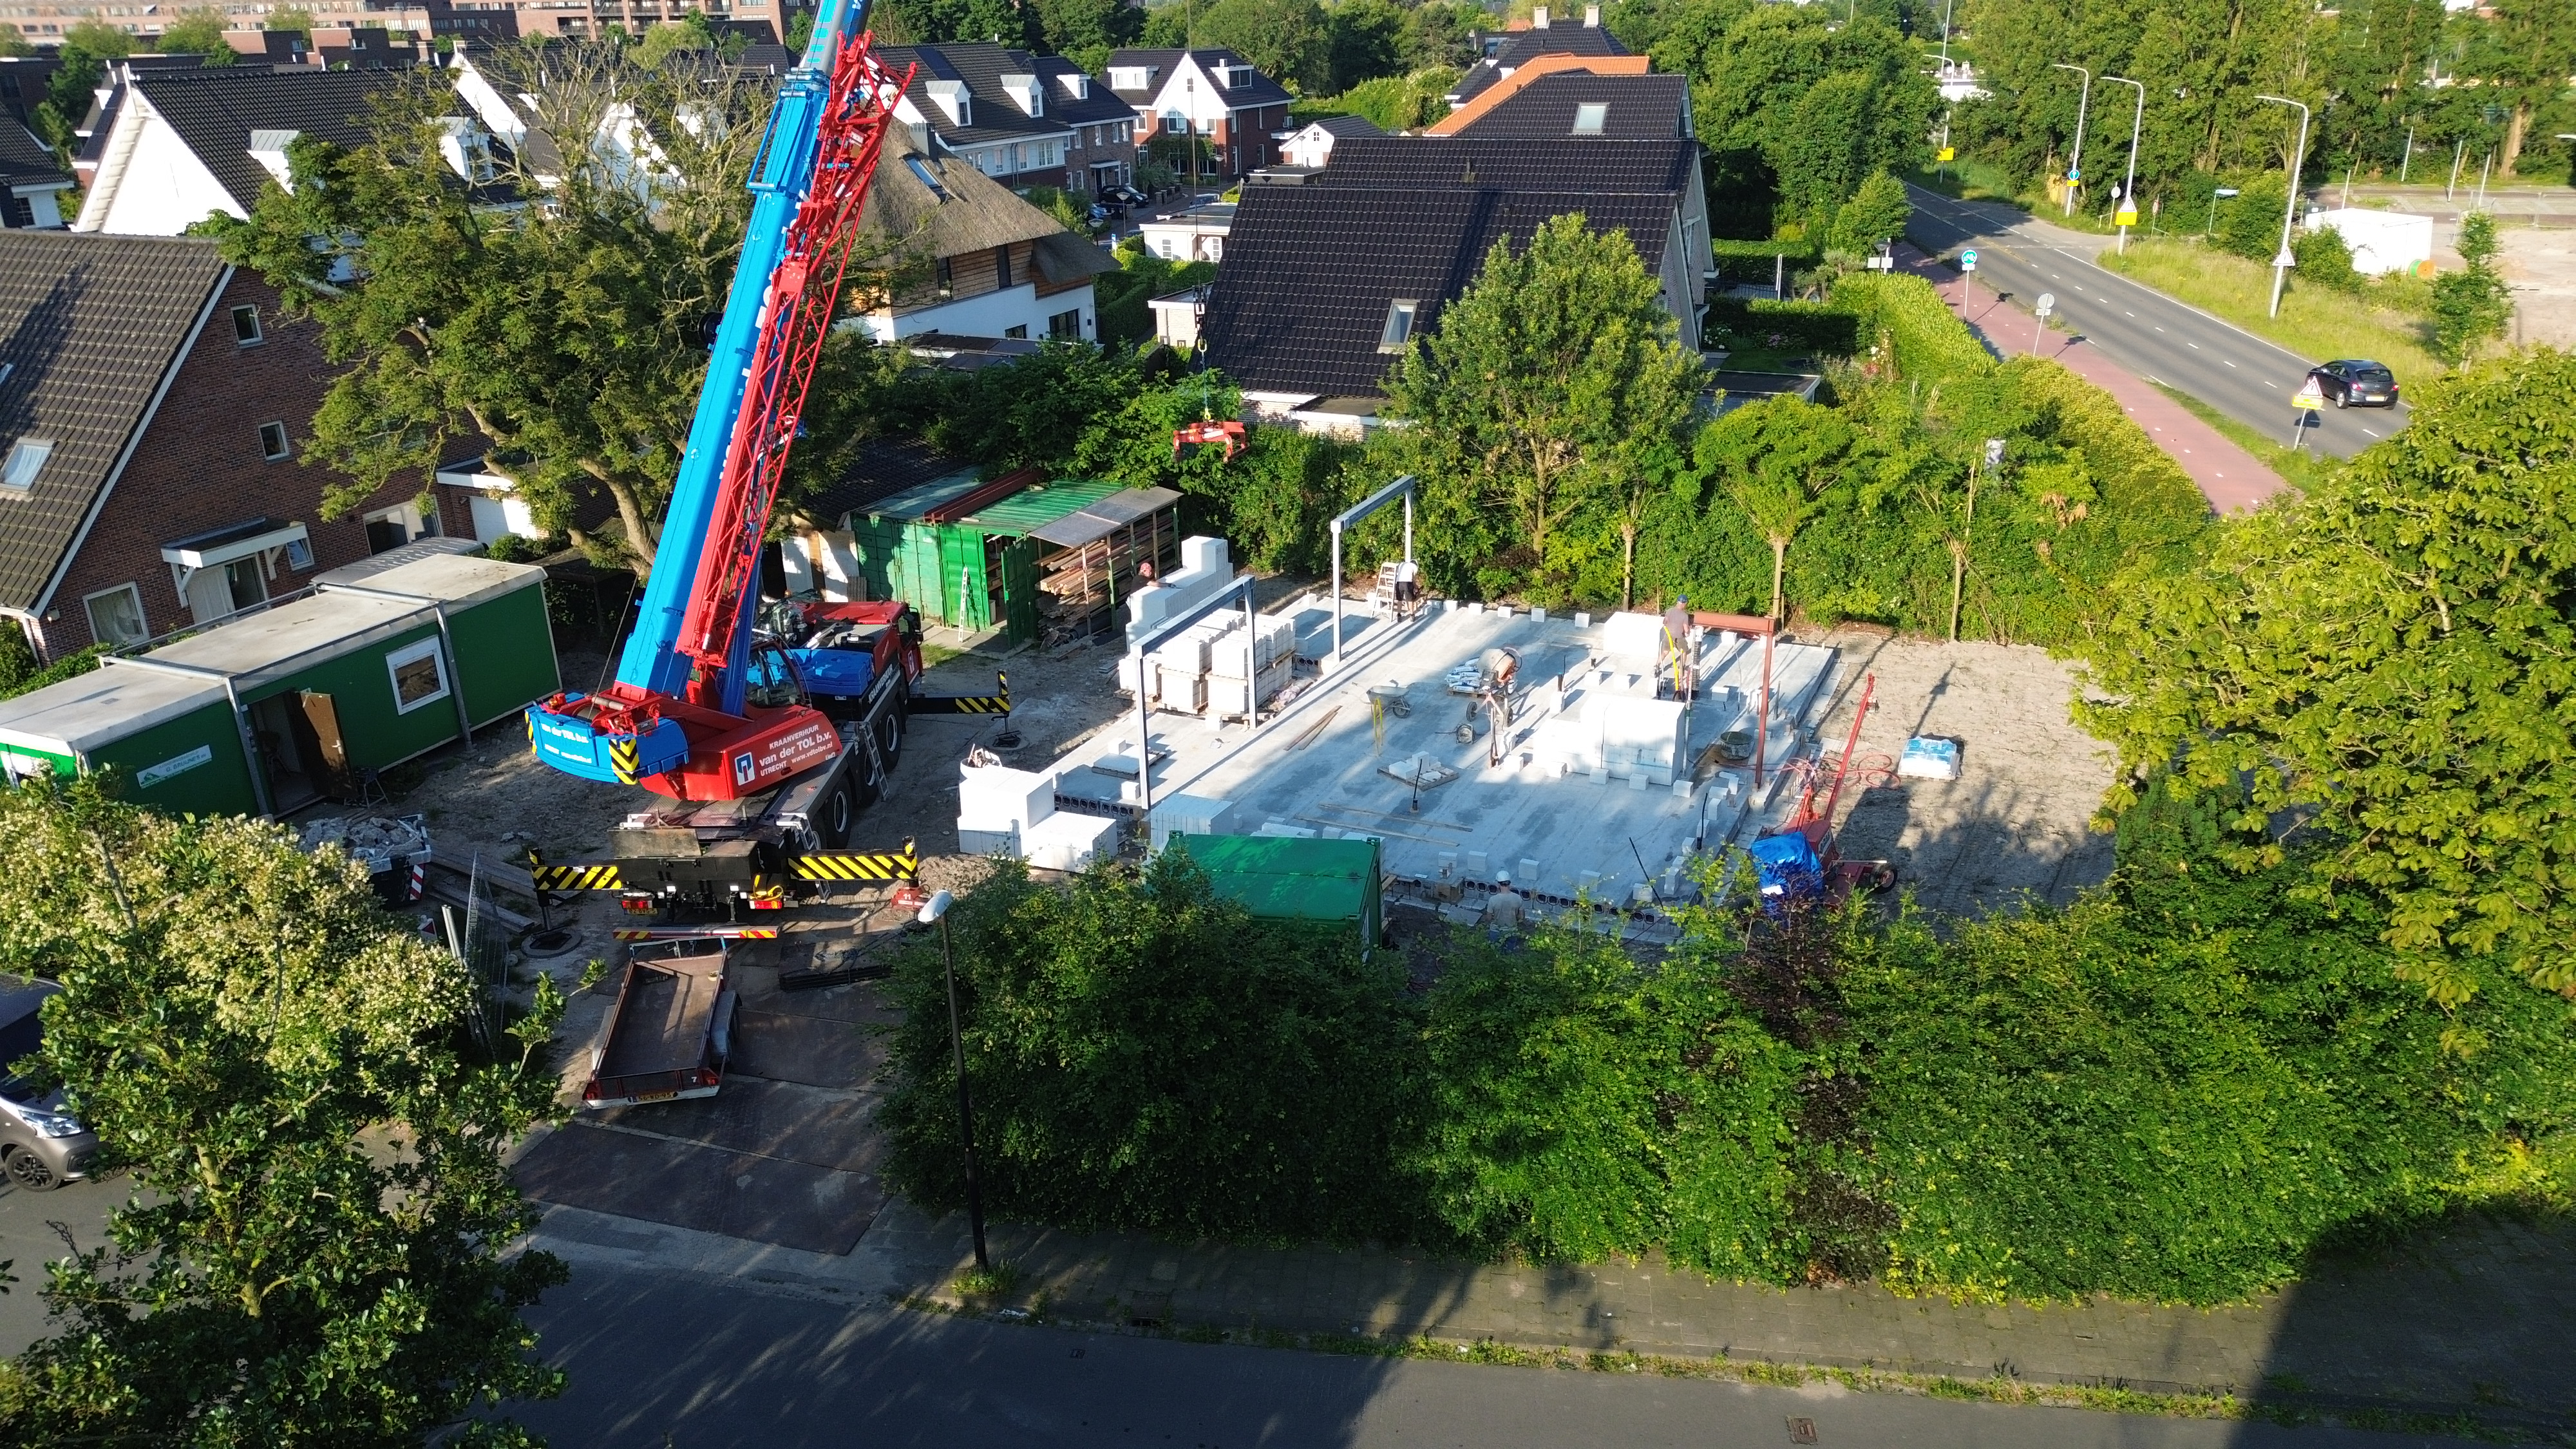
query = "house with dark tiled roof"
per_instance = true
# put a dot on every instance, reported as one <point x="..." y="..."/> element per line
<point x="1518" y="48"/>
<point x="153" y="400"/>
<point x="1579" y="101"/>
<point x="1329" y="275"/>
<point x="32" y="179"/>
<point x="182" y="145"/>
<point x="944" y="248"/>
<point x="1209" y="92"/>
<point x="987" y="104"/>
<point x="1312" y="144"/>
<point x="1103" y="153"/>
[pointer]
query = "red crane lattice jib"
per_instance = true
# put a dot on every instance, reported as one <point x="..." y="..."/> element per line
<point x="797" y="318"/>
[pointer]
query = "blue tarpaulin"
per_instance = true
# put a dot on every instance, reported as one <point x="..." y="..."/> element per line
<point x="1788" y="865"/>
<point x="834" y="671"/>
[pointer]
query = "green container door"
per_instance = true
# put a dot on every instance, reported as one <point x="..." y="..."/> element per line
<point x="1020" y="589"/>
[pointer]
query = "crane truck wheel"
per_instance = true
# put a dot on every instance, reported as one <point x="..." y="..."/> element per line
<point x="832" y="816"/>
<point x="890" y="736"/>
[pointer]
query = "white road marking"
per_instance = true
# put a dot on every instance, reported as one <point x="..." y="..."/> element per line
<point x="2374" y="432"/>
<point x="2158" y="381"/>
<point x="2194" y="346"/>
<point x="2159" y="329"/>
<point x="2228" y="363"/>
<point x="2267" y="382"/>
<point x="2133" y="314"/>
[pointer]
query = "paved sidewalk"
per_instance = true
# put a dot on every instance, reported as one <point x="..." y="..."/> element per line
<point x="2229" y="477"/>
<point x="2480" y="1320"/>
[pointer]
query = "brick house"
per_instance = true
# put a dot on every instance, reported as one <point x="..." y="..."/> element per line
<point x="1209" y="92"/>
<point x="153" y="401"/>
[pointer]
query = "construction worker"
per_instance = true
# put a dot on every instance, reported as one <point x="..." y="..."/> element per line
<point x="1408" y="590"/>
<point x="1502" y="910"/>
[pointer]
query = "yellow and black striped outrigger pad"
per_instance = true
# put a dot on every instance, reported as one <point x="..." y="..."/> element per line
<point x="998" y="702"/>
<point x="859" y="866"/>
<point x="575" y="877"/>
<point x="622" y="758"/>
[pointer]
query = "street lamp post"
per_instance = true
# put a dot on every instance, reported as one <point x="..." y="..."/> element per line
<point x="2290" y="208"/>
<point x="1945" y="35"/>
<point x="2129" y="188"/>
<point x="935" y="912"/>
<point x="2075" y="158"/>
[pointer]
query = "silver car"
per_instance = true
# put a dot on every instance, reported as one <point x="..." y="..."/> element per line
<point x="42" y="1146"/>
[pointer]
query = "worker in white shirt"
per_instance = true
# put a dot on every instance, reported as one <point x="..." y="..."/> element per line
<point x="1502" y="909"/>
<point x="1408" y="590"/>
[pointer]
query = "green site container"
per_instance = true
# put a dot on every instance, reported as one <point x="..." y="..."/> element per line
<point x="271" y="711"/>
<point x="1294" y="878"/>
<point x="971" y="573"/>
<point x="173" y="737"/>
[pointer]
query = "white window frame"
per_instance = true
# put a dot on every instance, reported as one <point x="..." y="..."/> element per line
<point x="1596" y="112"/>
<point x="1410" y="310"/>
<point x="257" y="334"/>
<point x="24" y="463"/>
<point x="142" y="620"/>
<point x="285" y="444"/>
<point x="299" y="554"/>
<point x="412" y="654"/>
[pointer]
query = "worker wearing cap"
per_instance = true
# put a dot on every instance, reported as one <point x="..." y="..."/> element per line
<point x="1502" y="908"/>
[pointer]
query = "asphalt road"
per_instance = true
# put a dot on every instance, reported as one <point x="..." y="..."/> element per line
<point x="2138" y="327"/>
<point x="717" y="1362"/>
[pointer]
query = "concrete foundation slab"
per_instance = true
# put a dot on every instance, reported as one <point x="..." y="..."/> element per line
<point x="765" y="1199"/>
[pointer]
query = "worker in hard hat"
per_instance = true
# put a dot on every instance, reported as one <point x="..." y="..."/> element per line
<point x="1503" y="909"/>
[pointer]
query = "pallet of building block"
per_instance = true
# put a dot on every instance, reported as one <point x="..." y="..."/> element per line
<point x="1420" y="772"/>
<point x="1127" y="671"/>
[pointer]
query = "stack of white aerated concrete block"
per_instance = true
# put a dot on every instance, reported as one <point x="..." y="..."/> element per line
<point x="1192" y="815"/>
<point x="1012" y="812"/>
<point x="996" y="806"/>
<point x="1248" y="667"/>
<point x="1204" y="570"/>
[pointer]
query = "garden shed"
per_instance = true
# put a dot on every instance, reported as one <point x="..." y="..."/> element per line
<point x="1297" y="878"/>
<point x="977" y="555"/>
<point x="266" y="713"/>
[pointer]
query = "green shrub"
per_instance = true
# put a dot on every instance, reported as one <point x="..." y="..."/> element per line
<point x="1905" y="315"/>
<point x="2325" y="259"/>
<point x="2182" y="1087"/>
<point x="1831" y="331"/>
<point x="1753" y="261"/>
<point x="2249" y="224"/>
<point x="1144" y="1055"/>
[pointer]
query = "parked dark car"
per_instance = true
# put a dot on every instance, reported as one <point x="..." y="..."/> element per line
<point x="2356" y="380"/>
<point x="1123" y="196"/>
<point x="41" y="1145"/>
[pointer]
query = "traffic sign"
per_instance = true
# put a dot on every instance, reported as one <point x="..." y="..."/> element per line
<point x="2127" y="216"/>
<point x="1968" y="260"/>
<point x="1948" y="153"/>
<point x="2072" y="174"/>
<point x="2047" y="303"/>
<point x="2311" y="397"/>
<point x="2285" y="259"/>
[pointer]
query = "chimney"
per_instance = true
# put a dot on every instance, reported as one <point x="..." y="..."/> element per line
<point x="1592" y="17"/>
<point x="1538" y="18"/>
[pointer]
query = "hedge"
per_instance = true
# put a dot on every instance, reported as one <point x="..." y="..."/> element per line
<point x="1930" y="342"/>
<point x="1818" y="327"/>
<point x="1753" y="261"/>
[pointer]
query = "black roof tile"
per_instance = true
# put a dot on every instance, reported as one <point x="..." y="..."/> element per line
<point x="1637" y="107"/>
<point x="1523" y="46"/>
<point x="214" y="112"/>
<point x="89" y="326"/>
<point x="996" y="116"/>
<point x="23" y="158"/>
<point x="1300" y="302"/>
<point x="1566" y="164"/>
<point x="1256" y="90"/>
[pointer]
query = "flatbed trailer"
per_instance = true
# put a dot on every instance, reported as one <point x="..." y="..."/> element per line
<point x="671" y="1029"/>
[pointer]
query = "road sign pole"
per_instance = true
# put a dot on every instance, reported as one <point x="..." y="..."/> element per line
<point x="2127" y="215"/>
<point x="1967" y="278"/>
<point x="2075" y="158"/>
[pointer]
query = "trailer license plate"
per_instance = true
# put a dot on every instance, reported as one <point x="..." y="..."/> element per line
<point x="641" y="1097"/>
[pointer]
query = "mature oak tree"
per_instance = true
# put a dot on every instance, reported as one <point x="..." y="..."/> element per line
<point x="559" y="310"/>
<point x="316" y="1251"/>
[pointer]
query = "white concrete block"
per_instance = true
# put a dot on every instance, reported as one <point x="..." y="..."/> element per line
<point x="997" y="797"/>
<point x="1066" y="841"/>
<point x="1633" y="636"/>
<point x="987" y="842"/>
<point x="1191" y="815"/>
<point x="1202" y="553"/>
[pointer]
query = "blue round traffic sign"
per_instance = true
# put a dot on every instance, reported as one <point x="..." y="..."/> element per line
<point x="1968" y="258"/>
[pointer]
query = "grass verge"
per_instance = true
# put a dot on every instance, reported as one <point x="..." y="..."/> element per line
<point x="2315" y="322"/>
<point x="2301" y="468"/>
<point x="2001" y="1389"/>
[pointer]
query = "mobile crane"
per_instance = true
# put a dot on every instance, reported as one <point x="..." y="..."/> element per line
<point x="706" y="707"/>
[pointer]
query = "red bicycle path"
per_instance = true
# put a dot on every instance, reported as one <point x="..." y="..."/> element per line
<point x="2231" y="478"/>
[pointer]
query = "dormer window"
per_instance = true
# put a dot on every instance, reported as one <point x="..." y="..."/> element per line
<point x="1590" y="117"/>
<point x="1399" y="324"/>
<point x="1132" y="77"/>
<point x="1076" y="85"/>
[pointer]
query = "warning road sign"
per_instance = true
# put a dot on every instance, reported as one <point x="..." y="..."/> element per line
<point x="2310" y="397"/>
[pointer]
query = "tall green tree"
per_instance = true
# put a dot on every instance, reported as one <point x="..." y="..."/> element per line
<point x="197" y="32"/>
<point x="12" y="42"/>
<point x="2472" y="305"/>
<point x="2384" y="661"/>
<point x="569" y="335"/>
<point x="317" y="1252"/>
<point x="1289" y="41"/>
<point x="1545" y="386"/>
<point x="1773" y="460"/>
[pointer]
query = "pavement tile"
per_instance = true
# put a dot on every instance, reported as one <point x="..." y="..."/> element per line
<point x="770" y="1119"/>
<point x="815" y="1050"/>
<point x="767" y="1200"/>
